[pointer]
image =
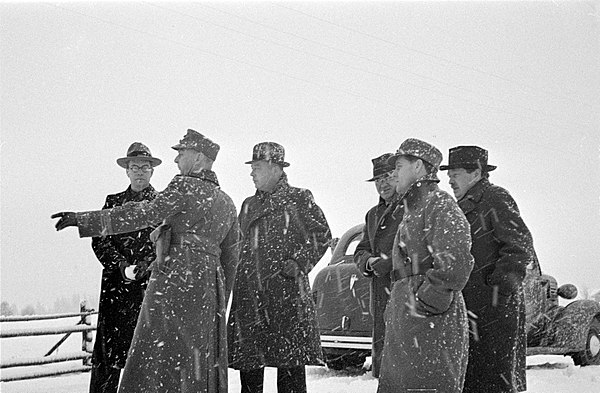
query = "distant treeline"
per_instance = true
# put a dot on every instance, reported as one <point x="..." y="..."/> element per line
<point x="61" y="305"/>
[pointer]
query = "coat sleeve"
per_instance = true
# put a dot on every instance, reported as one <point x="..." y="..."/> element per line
<point x="309" y="218"/>
<point x="363" y="250"/>
<point x="230" y="254"/>
<point x="104" y="247"/>
<point x="515" y="243"/>
<point x="449" y="244"/>
<point x="133" y="217"/>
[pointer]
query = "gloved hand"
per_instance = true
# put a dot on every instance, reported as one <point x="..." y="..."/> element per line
<point x="67" y="219"/>
<point x="290" y="269"/>
<point x="142" y="269"/>
<point x="379" y="265"/>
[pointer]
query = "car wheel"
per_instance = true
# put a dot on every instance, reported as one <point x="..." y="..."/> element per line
<point x="351" y="359"/>
<point x="591" y="355"/>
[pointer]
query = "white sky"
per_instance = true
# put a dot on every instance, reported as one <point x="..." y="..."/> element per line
<point x="335" y="83"/>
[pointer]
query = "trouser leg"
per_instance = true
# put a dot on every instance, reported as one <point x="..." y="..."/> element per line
<point x="291" y="380"/>
<point x="104" y="379"/>
<point x="252" y="380"/>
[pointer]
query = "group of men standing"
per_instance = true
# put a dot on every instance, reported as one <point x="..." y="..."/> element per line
<point x="447" y="297"/>
<point x="182" y="341"/>
<point x="424" y="251"/>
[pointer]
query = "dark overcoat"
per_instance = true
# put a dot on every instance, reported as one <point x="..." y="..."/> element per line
<point x="180" y="342"/>
<point x="381" y="224"/>
<point x="502" y="247"/>
<point x="120" y="299"/>
<point x="426" y="336"/>
<point x="272" y="321"/>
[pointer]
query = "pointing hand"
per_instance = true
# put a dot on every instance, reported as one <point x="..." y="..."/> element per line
<point x="67" y="219"/>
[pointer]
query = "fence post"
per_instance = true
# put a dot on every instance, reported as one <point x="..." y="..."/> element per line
<point x="86" y="344"/>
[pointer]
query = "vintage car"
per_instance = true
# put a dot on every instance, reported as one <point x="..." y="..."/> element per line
<point x="342" y="297"/>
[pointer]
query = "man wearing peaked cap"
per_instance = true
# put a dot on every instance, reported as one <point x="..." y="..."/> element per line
<point x="124" y="260"/>
<point x="272" y="322"/>
<point x="194" y="140"/>
<point x="373" y="255"/>
<point x="504" y="257"/>
<point x="431" y="263"/>
<point x="185" y="303"/>
<point x="422" y="150"/>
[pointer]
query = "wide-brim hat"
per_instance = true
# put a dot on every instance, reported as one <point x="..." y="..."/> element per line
<point x="381" y="166"/>
<point x="468" y="157"/>
<point x="269" y="151"/>
<point x="138" y="151"/>
<point x="198" y="142"/>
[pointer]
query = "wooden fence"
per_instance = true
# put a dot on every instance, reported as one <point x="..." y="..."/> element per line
<point x="84" y="326"/>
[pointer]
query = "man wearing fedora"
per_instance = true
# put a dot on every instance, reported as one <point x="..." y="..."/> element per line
<point x="373" y="254"/>
<point x="121" y="293"/>
<point x="272" y="322"/>
<point x="503" y="249"/>
<point x="180" y="340"/>
<point x="426" y="333"/>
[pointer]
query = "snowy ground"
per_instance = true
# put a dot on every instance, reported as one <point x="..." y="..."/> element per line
<point x="545" y="374"/>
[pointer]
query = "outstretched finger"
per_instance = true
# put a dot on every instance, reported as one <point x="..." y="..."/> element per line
<point x="58" y="215"/>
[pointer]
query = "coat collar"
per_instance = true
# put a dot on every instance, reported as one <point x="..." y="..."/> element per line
<point x="143" y="194"/>
<point x="265" y="202"/>
<point x="205" y="174"/>
<point x="417" y="191"/>
<point x="473" y="196"/>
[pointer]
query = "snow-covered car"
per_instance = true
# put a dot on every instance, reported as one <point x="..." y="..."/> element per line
<point x="342" y="297"/>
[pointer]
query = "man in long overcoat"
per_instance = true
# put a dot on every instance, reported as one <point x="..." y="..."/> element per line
<point x="426" y="335"/>
<point x="121" y="297"/>
<point x="180" y="342"/>
<point x="503" y="248"/>
<point x="272" y="320"/>
<point x="373" y="255"/>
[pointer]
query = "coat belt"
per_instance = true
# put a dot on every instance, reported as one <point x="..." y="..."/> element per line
<point x="205" y="244"/>
<point x="407" y="271"/>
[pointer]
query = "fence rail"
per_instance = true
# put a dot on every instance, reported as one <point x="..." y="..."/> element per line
<point x="84" y="326"/>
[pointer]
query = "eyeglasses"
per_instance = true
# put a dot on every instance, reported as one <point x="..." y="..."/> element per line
<point x="143" y="168"/>
<point x="384" y="177"/>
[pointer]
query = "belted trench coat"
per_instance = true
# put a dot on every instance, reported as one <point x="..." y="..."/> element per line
<point x="272" y="321"/>
<point x="426" y="336"/>
<point x="502" y="247"/>
<point x="179" y="344"/>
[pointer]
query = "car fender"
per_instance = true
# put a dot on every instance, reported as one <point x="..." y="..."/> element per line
<point x="570" y="325"/>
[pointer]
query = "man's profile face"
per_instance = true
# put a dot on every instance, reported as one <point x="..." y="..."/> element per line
<point x="185" y="160"/>
<point x="405" y="174"/>
<point x="264" y="175"/>
<point x="139" y="172"/>
<point x="461" y="181"/>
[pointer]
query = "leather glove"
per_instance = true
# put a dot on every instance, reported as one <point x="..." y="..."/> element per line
<point x="290" y="269"/>
<point x="67" y="219"/>
<point x="379" y="266"/>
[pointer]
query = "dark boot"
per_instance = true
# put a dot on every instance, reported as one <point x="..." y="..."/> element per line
<point x="104" y="379"/>
<point x="252" y="380"/>
<point x="291" y="380"/>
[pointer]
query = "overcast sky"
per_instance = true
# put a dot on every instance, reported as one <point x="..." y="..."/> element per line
<point x="335" y="83"/>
